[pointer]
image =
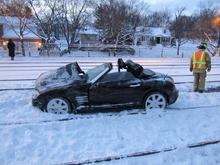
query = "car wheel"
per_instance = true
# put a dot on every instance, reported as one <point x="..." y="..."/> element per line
<point x="155" y="100"/>
<point x="58" y="106"/>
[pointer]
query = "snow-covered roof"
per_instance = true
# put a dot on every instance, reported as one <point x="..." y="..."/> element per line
<point x="153" y="31"/>
<point x="12" y="20"/>
<point x="9" y="33"/>
<point x="11" y="28"/>
<point x="89" y="30"/>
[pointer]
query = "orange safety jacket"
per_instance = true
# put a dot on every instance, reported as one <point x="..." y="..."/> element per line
<point x="199" y="60"/>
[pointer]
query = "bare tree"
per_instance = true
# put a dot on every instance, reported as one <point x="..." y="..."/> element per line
<point x="45" y="13"/>
<point x="203" y="28"/>
<point x="19" y="10"/>
<point x="73" y="16"/>
<point x="137" y="9"/>
<point x="117" y="19"/>
<point x="158" y="19"/>
<point x="216" y="24"/>
<point x="180" y="28"/>
<point x="203" y="23"/>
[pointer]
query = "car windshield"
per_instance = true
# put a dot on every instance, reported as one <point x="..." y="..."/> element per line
<point x="94" y="74"/>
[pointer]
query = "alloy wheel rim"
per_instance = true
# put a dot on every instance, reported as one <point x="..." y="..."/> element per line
<point x="58" y="106"/>
<point x="155" y="101"/>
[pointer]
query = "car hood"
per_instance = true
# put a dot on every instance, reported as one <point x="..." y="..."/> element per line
<point x="60" y="77"/>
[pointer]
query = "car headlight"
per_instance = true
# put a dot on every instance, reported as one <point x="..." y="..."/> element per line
<point x="36" y="94"/>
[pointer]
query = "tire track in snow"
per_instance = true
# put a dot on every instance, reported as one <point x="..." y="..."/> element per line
<point x="142" y="153"/>
<point x="94" y="115"/>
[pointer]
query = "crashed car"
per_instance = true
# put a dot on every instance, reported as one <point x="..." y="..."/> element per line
<point x="69" y="90"/>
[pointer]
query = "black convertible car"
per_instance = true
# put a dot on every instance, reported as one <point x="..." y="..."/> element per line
<point x="68" y="89"/>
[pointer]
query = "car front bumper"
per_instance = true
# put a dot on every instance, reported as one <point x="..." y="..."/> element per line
<point x="35" y="100"/>
<point x="37" y="103"/>
<point x="173" y="96"/>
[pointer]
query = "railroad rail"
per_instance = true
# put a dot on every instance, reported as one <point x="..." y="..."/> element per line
<point x="92" y="115"/>
<point x="32" y="88"/>
<point x="143" y="153"/>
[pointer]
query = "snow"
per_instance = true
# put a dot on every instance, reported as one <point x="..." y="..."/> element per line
<point x="159" y="32"/>
<point x="11" y="28"/>
<point x="12" y="20"/>
<point x="78" y="140"/>
<point x="89" y="30"/>
<point x="153" y="31"/>
<point x="57" y="78"/>
<point x="14" y="33"/>
<point x="26" y="139"/>
<point x="209" y="156"/>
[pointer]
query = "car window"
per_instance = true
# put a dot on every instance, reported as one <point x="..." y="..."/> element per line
<point x="94" y="74"/>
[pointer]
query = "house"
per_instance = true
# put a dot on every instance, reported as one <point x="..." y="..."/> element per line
<point x="152" y="35"/>
<point x="88" y="38"/>
<point x="9" y="29"/>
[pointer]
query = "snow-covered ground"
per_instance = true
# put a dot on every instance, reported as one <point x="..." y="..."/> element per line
<point x="29" y="136"/>
<point x="102" y="135"/>
<point x="140" y="51"/>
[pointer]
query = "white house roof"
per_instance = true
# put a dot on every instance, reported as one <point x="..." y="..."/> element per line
<point x="153" y="31"/>
<point x="9" y="33"/>
<point x="5" y="19"/>
<point x="11" y="28"/>
<point x="89" y="30"/>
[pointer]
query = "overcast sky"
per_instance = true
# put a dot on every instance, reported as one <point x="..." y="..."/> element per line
<point x="191" y="5"/>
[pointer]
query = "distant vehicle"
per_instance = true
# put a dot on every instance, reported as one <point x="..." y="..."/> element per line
<point x="70" y="90"/>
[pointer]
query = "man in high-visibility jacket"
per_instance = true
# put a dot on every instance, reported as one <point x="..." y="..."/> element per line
<point x="200" y="62"/>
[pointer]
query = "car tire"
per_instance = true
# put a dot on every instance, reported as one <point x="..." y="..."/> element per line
<point x="155" y="100"/>
<point x="58" y="105"/>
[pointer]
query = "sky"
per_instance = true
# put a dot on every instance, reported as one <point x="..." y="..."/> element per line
<point x="191" y="5"/>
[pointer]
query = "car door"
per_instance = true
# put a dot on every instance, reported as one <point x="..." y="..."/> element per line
<point x="120" y="89"/>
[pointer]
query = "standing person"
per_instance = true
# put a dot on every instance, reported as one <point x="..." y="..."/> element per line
<point x="200" y="62"/>
<point x="11" y="48"/>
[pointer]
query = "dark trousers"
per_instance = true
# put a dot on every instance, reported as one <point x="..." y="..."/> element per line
<point x="199" y="81"/>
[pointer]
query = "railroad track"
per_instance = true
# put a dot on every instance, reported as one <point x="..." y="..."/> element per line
<point x="172" y="75"/>
<point x="93" y="115"/>
<point x="158" y="66"/>
<point x="143" y="153"/>
<point x="32" y="88"/>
